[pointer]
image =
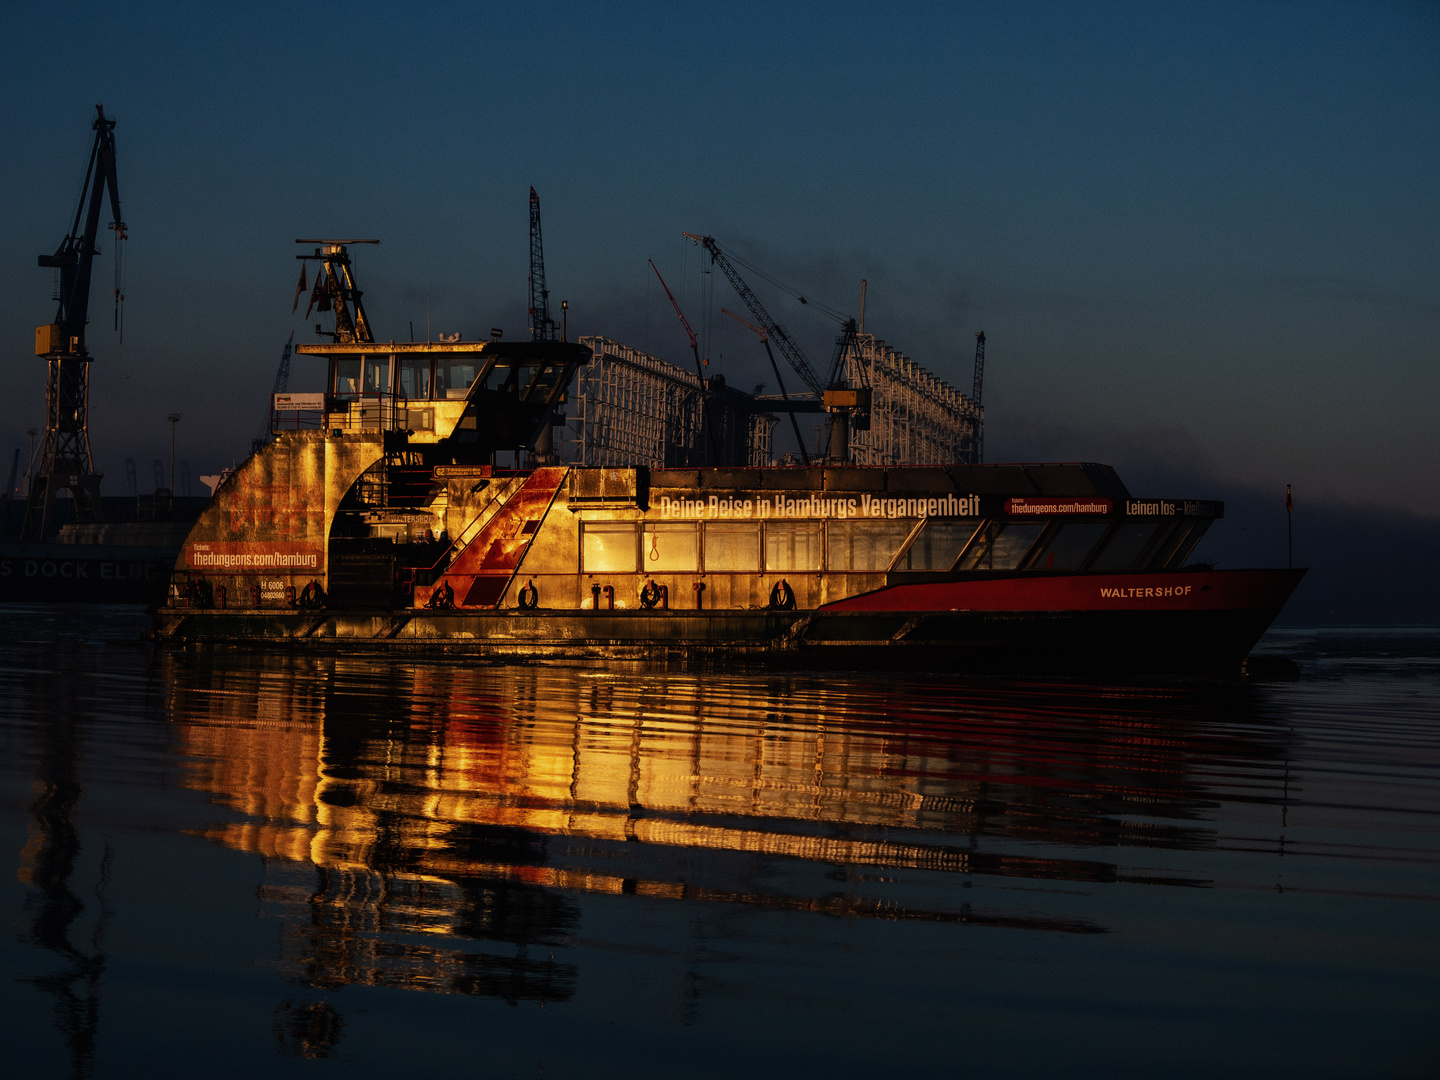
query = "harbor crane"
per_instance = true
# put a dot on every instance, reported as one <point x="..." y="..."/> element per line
<point x="65" y="459"/>
<point x="765" y="340"/>
<point x="699" y="364"/>
<point x="542" y="326"/>
<point x="849" y="407"/>
<point x="336" y="293"/>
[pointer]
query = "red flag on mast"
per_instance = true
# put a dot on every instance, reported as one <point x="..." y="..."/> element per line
<point x="298" y="290"/>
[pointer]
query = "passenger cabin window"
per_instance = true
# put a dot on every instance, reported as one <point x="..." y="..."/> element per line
<point x="939" y="544"/>
<point x="792" y="547"/>
<point x="347" y="376"/>
<point x="1180" y="543"/>
<point x="864" y="545"/>
<point x="670" y="547"/>
<point x="1001" y="545"/>
<point x="415" y="377"/>
<point x="607" y="547"/>
<point x="453" y="377"/>
<point x="732" y="547"/>
<point x="1131" y="545"/>
<point x="1070" y="545"/>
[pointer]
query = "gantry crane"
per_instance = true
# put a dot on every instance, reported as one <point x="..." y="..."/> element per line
<point x="65" y="459"/>
<point x="542" y="327"/>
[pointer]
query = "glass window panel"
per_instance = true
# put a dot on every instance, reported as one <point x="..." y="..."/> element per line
<point x="347" y="375"/>
<point x="1070" y="545"/>
<point x="792" y="547"/>
<point x="608" y="547"/>
<point x="547" y="380"/>
<point x="377" y="374"/>
<point x="1180" y="543"/>
<point x="1129" y="544"/>
<point x="864" y="545"/>
<point x="499" y="375"/>
<point x="732" y="547"/>
<point x="1001" y="545"/>
<point x="415" y="377"/>
<point x="453" y="377"/>
<point x="939" y="544"/>
<point x="670" y="547"/>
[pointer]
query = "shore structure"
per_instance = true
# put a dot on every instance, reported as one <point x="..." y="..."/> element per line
<point x="378" y="518"/>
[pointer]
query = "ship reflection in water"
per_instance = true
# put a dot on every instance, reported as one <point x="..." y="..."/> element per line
<point x="407" y="813"/>
<point x="251" y="862"/>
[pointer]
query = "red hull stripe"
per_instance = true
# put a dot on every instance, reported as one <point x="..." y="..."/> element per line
<point x="1214" y="590"/>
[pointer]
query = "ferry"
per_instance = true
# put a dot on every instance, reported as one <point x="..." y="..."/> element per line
<point x="378" y="518"/>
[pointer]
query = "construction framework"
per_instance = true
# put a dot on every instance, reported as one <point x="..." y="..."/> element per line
<point x="631" y="408"/>
<point x="916" y="418"/>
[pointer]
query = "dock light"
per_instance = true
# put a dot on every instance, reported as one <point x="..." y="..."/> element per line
<point x="564" y="320"/>
<point x="496" y="333"/>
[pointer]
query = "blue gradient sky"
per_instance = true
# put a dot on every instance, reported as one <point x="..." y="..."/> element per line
<point x="1198" y="235"/>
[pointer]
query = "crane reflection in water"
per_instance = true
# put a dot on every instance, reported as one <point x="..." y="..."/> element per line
<point x="49" y="865"/>
<point x="437" y="827"/>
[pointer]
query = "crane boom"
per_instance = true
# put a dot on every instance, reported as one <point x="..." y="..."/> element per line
<point x="765" y="340"/>
<point x="65" y="460"/>
<point x="792" y="352"/>
<point x="542" y="327"/>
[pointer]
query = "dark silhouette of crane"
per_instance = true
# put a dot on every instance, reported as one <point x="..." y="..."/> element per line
<point x="65" y="458"/>
<point x="542" y="327"/>
<point x="699" y="364"/>
<point x="765" y="340"/>
<point x="977" y="443"/>
<point x="849" y="407"/>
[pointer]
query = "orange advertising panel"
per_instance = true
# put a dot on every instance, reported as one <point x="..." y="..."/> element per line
<point x="253" y="556"/>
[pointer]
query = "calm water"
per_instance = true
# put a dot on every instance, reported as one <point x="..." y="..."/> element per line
<point x="245" y="865"/>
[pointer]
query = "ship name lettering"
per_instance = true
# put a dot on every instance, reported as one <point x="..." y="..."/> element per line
<point x="1139" y="593"/>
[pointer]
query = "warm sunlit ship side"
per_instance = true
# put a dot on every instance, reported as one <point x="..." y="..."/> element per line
<point x="378" y="519"/>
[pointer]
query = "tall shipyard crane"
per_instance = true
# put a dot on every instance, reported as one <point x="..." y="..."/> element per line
<point x="542" y="327"/>
<point x="849" y="407"/>
<point x="65" y="460"/>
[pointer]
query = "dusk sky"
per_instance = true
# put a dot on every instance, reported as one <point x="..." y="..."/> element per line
<point x="1199" y="236"/>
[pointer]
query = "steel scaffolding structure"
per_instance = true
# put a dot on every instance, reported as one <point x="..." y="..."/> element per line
<point x="916" y="418"/>
<point x="631" y="408"/>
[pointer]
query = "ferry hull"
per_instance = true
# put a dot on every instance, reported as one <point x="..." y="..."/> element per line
<point x="1146" y="637"/>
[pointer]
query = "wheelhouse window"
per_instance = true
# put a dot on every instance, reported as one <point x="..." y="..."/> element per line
<point x="608" y="547"/>
<point x="377" y="375"/>
<point x="793" y="546"/>
<point x="1130" y="546"/>
<point x="454" y="376"/>
<point x="1069" y="546"/>
<point x="864" y="545"/>
<point x="415" y="377"/>
<point x="732" y="547"/>
<point x="670" y="547"/>
<point x="1001" y="545"/>
<point x="939" y="544"/>
<point x="347" y="376"/>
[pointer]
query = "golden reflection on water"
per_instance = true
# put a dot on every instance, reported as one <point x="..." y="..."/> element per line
<point x="406" y="810"/>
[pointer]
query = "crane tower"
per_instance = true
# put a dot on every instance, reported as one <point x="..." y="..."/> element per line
<point x="65" y="461"/>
